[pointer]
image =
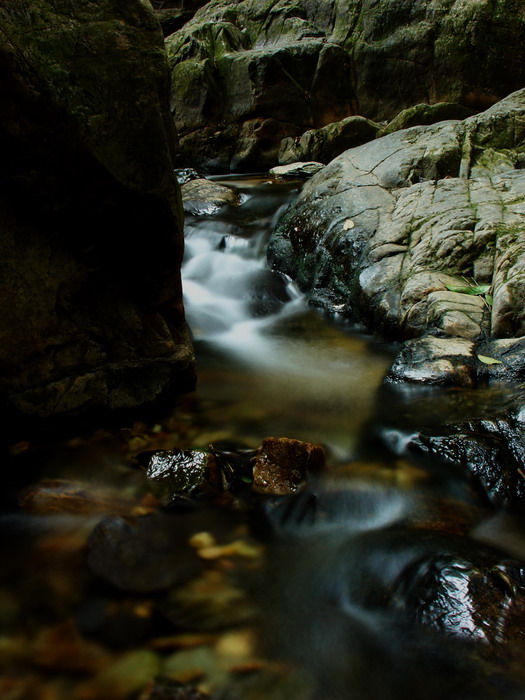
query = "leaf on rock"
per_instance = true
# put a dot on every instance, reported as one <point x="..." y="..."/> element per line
<point x="348" y="224"/>
<point x="489" y="360"/>
<point x="475" y="290"/>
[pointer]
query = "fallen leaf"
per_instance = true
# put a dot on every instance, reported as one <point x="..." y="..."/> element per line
<point x="489" y="360"/>
<point x="348" y="224"/>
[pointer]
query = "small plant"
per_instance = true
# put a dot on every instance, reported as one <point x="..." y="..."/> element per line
<point x="474" y="289"/>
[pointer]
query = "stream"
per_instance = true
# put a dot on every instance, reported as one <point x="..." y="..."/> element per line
<point x="282" y="367"/>
<point x="386" y="575"/>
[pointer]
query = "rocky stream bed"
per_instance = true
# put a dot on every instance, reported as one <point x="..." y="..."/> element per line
<point x="336" y="513"/>
<point x="288" y="531"/>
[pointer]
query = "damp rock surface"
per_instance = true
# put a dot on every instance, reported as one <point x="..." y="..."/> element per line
<point x="420" y="233"/>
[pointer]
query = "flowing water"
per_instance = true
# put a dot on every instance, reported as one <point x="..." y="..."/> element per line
<point x="276" y="367"/>
<point x="282" y="368"/>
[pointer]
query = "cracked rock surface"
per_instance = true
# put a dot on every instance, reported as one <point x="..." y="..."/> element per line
<point x="420" y="234"/>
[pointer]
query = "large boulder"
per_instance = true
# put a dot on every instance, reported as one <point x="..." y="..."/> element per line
<point x="304" y="64"/>
<point x="405" y="53"/>
<point x="421" y="231"/>
<point x="90" y="211"/>
<point x="328" y="142"/>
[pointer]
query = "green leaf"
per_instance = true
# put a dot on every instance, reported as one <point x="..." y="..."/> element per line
<point x="489" y="299"/>
<point x="480" y="289"/>
<point x="475" y="290"/>
<point x="489" y="360"/>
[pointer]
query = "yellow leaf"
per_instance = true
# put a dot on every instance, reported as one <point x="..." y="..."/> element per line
<point x="489" y="360"/>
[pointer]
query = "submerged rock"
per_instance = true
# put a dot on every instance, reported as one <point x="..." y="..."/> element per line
<point x="421" y="231"/>
<point x="62" y="496"/>
<point x="141" y="556"/>
<point x="166" y="690"/>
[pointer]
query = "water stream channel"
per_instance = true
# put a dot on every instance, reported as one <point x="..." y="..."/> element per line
<point x="386" y="576"/>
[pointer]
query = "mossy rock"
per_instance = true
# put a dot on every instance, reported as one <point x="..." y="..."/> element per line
<point x="424" y="114"/>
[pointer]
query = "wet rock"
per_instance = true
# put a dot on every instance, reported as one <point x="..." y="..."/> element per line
<point x="476" y="596"/>
<point x="418" y="232"/>
<point x="322" y="145"/>
<point x="180" y="472"/>
<point x="380" y="593"/>
<point x="235" y="464"/>
<point x="94" y="320"/>
<point x="502" y="360"/>
<point x="269" y="291"/>
<point x="426" y="114"/>
<point x="185" y="175"/>
<point x="202" y="197"/>
<point x="281" y="464"/>
<point x="432" y="360"/>
<point x="492" y="450"/>
<point x="305" y="169"/>
<point x="141" y="556"/>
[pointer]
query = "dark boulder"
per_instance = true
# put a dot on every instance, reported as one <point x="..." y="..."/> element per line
<point x="90" y="211"/>
<point x="492" y="451"/>
<point x="465" y="591"/>
<point x="328" y="142"/>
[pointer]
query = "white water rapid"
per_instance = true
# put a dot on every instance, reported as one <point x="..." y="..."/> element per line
<point x="303" y="376"/>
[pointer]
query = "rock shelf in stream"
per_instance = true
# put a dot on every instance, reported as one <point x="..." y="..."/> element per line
<point x="422" y="233"/>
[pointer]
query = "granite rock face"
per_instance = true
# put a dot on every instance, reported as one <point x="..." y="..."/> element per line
<point x="421" y="231"/>
<point x="285" y="67"/>
<point x="90" y="211"/>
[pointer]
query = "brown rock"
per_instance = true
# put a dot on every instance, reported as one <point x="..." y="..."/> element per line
<point x="281" y="464"/>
